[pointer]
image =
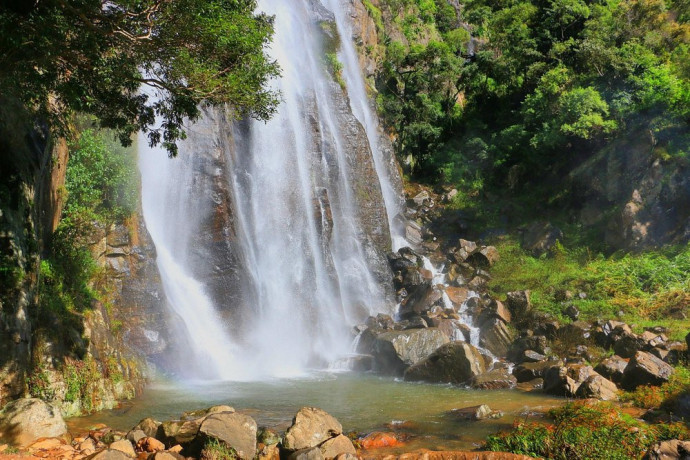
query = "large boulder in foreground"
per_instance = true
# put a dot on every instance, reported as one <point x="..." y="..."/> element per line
<point x="395" y="351"/>
<point x="455" y="362"/>
<point x="25" y="420"/>
<point x="669" y="450"/>
<point x="311" y="427"/>
<point x="645" y="369"/>
<point x="234" y="430"/>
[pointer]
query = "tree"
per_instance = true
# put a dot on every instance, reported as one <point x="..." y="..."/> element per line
<point x="59" y="57"/>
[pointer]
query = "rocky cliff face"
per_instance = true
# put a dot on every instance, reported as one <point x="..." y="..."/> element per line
<point x="82" y="360"/>
<point x="641" y="199"/>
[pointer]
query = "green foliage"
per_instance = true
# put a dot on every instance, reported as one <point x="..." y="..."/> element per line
<point x="643" y="286"/>
<point x="335" y="67"/>
<point x="80" y="378"/>
<point x="101" y="179"/>
<point x="92" y="56"/>
<point x="583" y="430"/>
<point x="217" y="450"/>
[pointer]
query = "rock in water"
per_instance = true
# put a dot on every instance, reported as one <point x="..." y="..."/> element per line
<point x="341" y="444"/>
<point x="454" y="362"/>
<point x="234" y="430"/>
<point x="25" y="420"/>
<point x="397" y="350"/>
<point x="310" y="428"/>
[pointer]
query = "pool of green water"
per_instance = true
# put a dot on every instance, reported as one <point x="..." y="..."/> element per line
<point x="362" y="403"/>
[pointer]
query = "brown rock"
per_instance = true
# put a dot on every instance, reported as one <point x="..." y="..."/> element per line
<point x="235" y="430"/>
<point x="311" y="427"/>
<point x="123" y="446"/>
<point x="341" y="444"/>
<point x="23" y="421"/>
<point x="454" y="362"/>
<point x="457" y="295"/>
<point x="645" y="369"/>
<point x="378" y="440"/>
<point x="669" y="450"/>
<point x="598" y="387"/>
<point x="150" y="444"/>
<point x="496" y="379"/>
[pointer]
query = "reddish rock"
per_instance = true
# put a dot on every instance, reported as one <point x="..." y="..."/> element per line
<point x="379" y="440"/>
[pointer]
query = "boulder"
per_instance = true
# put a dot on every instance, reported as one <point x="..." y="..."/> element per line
<point x="612" y="368"/>
<point x="135" y="435"/>
<point x="474" y="413"/>
<point x="397" y="350"/>
<point x="598" y="387"/>
<point x="495" y="310"/>
<point x="497" y="379"/>
<point x="535" y="343"/>
<point x="124" y="446"/>
<point x="166" y="455"/>
<point x="455" y="362"/>
<point x="628" y="344"/>
<point x="310" y="453"/>
<point x="341" y="444"/>
<point x="149" y="426"/>
<point x="420" y="300"/>
<point x="457" y="295"/>
<point x="109" y="454"/>
<point x="197" y="414"/>
<point x="496" y="337"/>
<point x="234" y="430"/>
<point x="23" y="421"/>
<point x="527" y="372"/>
<point x="541" y="237"/>
<point x="179" y="432"/>
<point x="518" y="303"/>
<point x="669" y="450"/>
<point x="531" y="356"/>
<point x="378" y="440"/>
<point x="566" y="380"/>
<point x="310" y="428"/>
<point x="687" y="344"/>
<point x="645" y="369"/>
<point x="150" y="444"/>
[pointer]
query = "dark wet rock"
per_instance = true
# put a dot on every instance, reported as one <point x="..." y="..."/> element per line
<point x="149" y="426"/>
<point x="526" y="372"/>
<point x="420" y="300"/>
<point x="416" y="322"/>
<point x="541" y="237"/>
<point x="566" y="380"/>
<point x="645" y="369"/>
<point x="496" y="379"/>
<point x="532" y="385"/>
<point x="454" y="362"/>
<point x="457" y="295"/>
<point x="23" y="421"/>
<point x="572" y="312"/>
<point x="596" y="386"/>
<point x="628" y="344"/>
<point x="612" y="368"/>
<point x="518" y="303"/>
<point x="534" y="343"/>
<point x="380" y="321"/>
<point x="395" y="351"/>
<point x="494" y="310"/>
<point x="310" y="428"/>
<point x="234" y="430"/>
<point x="474" y="413"/>
<point x="496" y="337"/>
<point x="653" y="339"/>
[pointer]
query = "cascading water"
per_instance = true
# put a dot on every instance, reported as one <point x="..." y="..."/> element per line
<point x="306" y="221"/>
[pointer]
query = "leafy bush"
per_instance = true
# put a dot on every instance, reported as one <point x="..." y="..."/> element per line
<point x="586" y="431"/>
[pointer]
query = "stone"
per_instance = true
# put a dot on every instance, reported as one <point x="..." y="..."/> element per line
<point x="421" y="198"/>
<point x="669" y="450"/>
<point x="341" y="444"/>
<point x="566" y="380"/>
<point x="134" y="436"/>
<point x="269" y="452"/>
<point x="572" y="312"/>
<point x="645" y="369"/>
<point x="311" y="427"/>
<point x="612" y="368"/>
<point x="541" y="237"/>
<point x="598" y="387"/>
<point x="124" y="446"/>
<point x="149" y="426"/>
<point x="234" y="430"/>
<point x="628" y="344"/>
<point x="109" y="454"/>
<point x="150" y="444"/>
<point x="166" y="455"/>
<point x="526" y="372"/>
<point x="536" y="343"/>
<point x="23" y="421"/>
<point x="497" y="310"/>
<point x="653" y="339"/>
<point x="197" y="414"/>
<point x="180" y="432"/>
<point x="455" y="362"/>
<point x="468" y="246"/>
<point x="397" y="350"/>
<point x="497" y="379"/>
<point x="531" y="356"/>
<point x="480" y="412"/>
<point x="495" y="337"/>
<point x="267" y="436"/>
<point x="420" y="300"/>
<point x="457" y="295"/>
<point x="518" y="303"/>
<point x="378" y="440"/>
<point x="311" y="453"/>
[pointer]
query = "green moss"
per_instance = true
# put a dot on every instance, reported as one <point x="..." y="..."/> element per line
<point x="217" y="450"/>
<point x="335" y="68"/>
<point x="375" y="14"/>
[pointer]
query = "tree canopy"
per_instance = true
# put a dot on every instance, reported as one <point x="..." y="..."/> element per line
<point x="59" y="57"/>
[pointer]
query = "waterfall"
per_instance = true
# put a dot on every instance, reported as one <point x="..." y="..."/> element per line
<point x="271" y="237"/>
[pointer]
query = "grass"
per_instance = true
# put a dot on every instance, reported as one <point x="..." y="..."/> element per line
<point x="585" y="430"/>
<point x="664" y="396"/>
<point x="217" y="450"/>
<point x="647" y="289"/>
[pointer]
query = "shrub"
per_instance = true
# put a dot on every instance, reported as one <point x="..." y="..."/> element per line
<point x="217" y="450"/>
